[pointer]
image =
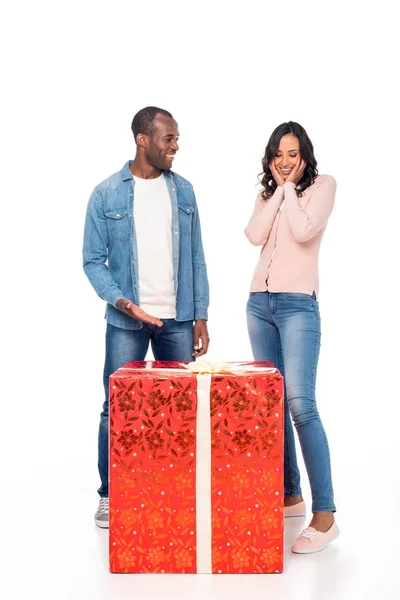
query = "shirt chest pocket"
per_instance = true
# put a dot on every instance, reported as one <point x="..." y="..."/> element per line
<point x="185" y="219"/>
<point x="118" y="224"/>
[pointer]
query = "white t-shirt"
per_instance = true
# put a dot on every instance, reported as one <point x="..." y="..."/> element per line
<point x="153" y="225"/>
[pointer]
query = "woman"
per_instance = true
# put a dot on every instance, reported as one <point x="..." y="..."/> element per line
<point x="289" y="220"/>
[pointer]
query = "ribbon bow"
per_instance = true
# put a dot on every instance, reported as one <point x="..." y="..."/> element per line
<point x="206" y="366"/>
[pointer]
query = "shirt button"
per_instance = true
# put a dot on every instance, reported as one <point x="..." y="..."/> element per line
<point x="173" y="189"/>
<point x="176" y="233"/>
<point x="118" y="215"/>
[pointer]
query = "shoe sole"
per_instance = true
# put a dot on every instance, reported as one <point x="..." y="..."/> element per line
<point x="293" y="516"/>
<point x="317" y="549"/>
<point x="101" y="524"/>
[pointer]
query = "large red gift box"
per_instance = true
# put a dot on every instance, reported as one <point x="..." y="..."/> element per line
<point x="196" y="469"/>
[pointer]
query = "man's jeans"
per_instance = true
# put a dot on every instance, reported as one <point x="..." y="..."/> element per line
<point x="173" y="341"/>
<point x="284" y="328"/>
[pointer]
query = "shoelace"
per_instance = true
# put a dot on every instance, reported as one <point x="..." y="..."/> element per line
<point x="308" y="534"/>
<point x="103" y="506"/>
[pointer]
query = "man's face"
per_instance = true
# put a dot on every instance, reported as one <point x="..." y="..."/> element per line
<point x="162" y="145"/>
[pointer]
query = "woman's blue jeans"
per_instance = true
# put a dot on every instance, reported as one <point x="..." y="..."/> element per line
<point x="284" y="328"/>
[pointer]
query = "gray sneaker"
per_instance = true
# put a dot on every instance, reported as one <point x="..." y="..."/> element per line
<point x="101" y="516"/>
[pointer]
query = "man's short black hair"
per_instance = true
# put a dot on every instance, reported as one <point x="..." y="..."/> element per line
<point x="143" y="121"/>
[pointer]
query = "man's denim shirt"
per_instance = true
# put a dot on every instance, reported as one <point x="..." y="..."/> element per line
<point x="110" y="258"/>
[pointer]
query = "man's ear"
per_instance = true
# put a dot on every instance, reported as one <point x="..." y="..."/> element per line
<point x="142" y="140"/>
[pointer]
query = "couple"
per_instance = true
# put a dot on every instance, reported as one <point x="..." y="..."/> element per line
<point x="143" y="254"/>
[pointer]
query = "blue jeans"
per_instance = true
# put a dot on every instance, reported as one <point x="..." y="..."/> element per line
<point x="173" y="341"/>
<point x="284" y="328"/>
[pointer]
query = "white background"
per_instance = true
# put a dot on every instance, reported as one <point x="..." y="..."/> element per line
<point x="74" y="74"/>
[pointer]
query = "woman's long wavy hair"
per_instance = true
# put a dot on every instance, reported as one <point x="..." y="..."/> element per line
<point x="306" y="151"/>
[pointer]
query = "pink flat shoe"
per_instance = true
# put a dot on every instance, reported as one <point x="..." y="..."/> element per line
<point x="297" y="510"/>
<point x="310" y="540"/>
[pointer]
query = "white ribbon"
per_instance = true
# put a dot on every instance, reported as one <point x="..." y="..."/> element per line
<point x="203" y="475"/>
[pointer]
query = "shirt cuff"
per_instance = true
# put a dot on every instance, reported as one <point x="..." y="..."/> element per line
<point x="201" y="314"/>
<point x="113" y="299"/>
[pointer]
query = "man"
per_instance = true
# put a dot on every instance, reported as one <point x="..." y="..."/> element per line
<point x="143" y="255"/>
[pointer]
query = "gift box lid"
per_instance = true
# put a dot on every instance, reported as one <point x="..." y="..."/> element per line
<point x="187" y="369"/>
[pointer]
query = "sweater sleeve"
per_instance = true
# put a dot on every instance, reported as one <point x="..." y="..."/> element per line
<point x="262" y="219"/>
<point x="304" y="223"/>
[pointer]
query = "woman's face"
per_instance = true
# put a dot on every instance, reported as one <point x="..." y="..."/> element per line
<point x="287" y="155"/>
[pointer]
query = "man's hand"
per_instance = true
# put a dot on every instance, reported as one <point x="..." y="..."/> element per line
<point x="136" y="312"/>
<point x="200" y="333"/>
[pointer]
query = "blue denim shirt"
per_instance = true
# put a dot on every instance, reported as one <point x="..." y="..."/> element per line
<point x="110" y="257"/>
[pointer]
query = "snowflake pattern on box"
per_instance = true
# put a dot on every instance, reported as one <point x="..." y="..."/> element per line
<point x="153" y="470"/>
